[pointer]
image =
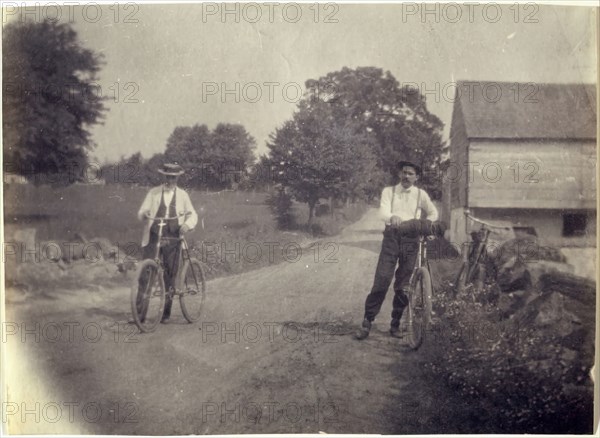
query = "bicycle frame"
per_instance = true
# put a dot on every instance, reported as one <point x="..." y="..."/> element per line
<point x="480" y="246"/>
<point x="477" y="249"/>
<point x="191" y="293"/>
<point x="183" y="251"/>
<point x="421" y="259"/>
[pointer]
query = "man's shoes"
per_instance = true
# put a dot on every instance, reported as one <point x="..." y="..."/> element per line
<point x="167" y="311"/>
<point x="364" y="330"/>
<point x="395" y="328"/>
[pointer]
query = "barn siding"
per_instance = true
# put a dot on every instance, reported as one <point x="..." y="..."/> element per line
<point x="547" y="223"/>
<point x="455" y="177"/>
<point x="551" y="174"/>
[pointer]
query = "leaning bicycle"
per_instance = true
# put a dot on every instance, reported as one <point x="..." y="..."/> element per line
<point x="148" y="293"/>
<point x="472" y="272"/>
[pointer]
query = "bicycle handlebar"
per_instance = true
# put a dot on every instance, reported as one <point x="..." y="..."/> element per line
<point x="487" y="224"/>
<point x="165" y="218"/>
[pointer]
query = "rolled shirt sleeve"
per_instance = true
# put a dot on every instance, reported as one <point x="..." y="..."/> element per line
<point x="385" y="205"/>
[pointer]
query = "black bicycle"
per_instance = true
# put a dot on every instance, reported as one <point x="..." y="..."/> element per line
<point x="472" y="273"/>
<point x="148" y="293"/>
<point x="419" y="298"/>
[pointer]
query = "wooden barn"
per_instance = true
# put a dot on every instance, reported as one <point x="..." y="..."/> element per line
<point x="524" y="154"/>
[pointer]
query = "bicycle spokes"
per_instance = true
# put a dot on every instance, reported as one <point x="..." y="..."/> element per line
<point x="193" y="290"/>
<point x="147" y="297"/>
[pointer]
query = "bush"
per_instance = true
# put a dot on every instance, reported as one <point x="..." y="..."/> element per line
<point x="527" y="375"/>
<point x="281" y="207"/>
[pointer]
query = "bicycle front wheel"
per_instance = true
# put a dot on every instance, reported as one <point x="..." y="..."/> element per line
<point x="461" y="279"/>
<point x="419" y="308"/>
<point x="147" y="296"/>
<point x="193" y="290"/>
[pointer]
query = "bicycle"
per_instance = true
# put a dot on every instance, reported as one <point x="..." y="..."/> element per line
<point x="473" y="271"/>
<point x="419" y="298"/>
<point x="148" y="292"/>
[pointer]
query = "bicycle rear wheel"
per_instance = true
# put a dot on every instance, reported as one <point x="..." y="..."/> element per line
<point x="193" y="290"/>
<point x="419" y="308"/>
<point x="147" y="296"/>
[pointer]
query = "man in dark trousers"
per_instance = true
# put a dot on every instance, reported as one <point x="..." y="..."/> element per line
<point x="167" y="200"/>
<point x="402" y="203"/>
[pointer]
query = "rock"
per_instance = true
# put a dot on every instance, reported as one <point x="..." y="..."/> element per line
<point x="525" y="249"/>
<point x="550" y="310"/>
<point x="580" y="289"/>
<point x="509" y="303"/>
<point x="512" y="275"/>
<point x="518" y="273"/>
<point x="542" y="267"/>
<point x="551" y="314"/>
<point x="108" y="250"/>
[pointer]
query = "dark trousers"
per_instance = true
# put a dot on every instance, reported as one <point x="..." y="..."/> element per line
<point x="395" y="250"/>
<point x="170" y="258"/>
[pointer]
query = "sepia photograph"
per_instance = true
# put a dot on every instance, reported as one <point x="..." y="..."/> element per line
<point x="226" y="218"/>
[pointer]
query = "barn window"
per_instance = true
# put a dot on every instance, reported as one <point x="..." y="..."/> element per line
<point x="574" y="224"/>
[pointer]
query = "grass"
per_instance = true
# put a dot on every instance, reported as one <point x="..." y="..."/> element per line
<point x="236" y="224"/>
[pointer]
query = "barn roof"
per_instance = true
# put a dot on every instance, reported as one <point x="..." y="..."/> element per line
<point x="514" y="110"/>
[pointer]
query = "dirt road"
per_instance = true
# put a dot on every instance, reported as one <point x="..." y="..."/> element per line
<point x="274" y="354"/>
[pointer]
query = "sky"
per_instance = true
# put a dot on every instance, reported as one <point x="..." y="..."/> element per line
<point x="169" y="65"/>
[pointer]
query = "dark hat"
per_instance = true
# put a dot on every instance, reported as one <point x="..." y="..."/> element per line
<point x="172" y="169"/>
<point x="403" y="163"/>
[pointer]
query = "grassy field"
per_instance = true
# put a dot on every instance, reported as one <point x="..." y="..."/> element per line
<point x="236" y="224"/>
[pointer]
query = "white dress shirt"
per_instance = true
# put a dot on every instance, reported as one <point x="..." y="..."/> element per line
<point x="404" y="204"/>
<point x="168" y="195"/>
<point x="183" y="207"/>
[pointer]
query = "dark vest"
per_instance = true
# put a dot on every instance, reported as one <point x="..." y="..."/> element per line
<point x="172" y="227"/>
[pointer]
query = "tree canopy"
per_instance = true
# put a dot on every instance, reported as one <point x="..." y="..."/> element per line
<point x="50" y="99"/>
<point x="348" y="132"/>
<point x="318" y="155"/>
<point x="216" y="159"/>
<point x="395" y="117"/>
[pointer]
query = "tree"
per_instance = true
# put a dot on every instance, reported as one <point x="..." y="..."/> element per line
<point x="49" y="100"/>
<point x="260" y="175"/>
<point x="214" y="159"/>
<point x="395" y="118"/>
<point x="347" y="134"/>
<point x="149" y="171"/>
<point x="191" y="146"/>
<point x="316" y="155"/>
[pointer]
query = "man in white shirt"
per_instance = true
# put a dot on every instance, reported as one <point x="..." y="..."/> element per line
<point x="399" y="204"/>
<point x="167" y="200"/>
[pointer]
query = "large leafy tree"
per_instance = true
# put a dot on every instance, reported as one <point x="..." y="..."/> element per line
<point x="214" y="159"/>
<point x="317" y="155"/>
<point x="395" y="118"/>
<point x="347" y="134"/>
<point x="50" y="99"/>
